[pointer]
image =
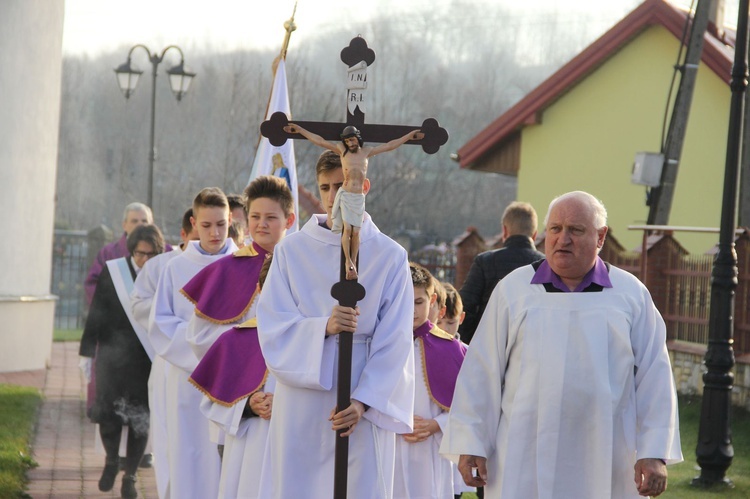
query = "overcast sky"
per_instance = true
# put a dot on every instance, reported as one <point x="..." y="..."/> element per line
<point x="95" y="26"/>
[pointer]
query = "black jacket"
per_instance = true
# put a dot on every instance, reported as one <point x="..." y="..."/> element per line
<point x="486" y="271"/>
<point x="122" y="366"/>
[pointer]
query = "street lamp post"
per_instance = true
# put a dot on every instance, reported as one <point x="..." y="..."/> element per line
<point x="179" y="82"/>
<point x="714" y="451"/>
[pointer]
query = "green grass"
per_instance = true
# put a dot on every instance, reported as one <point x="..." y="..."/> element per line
<point x="67" y="335"/>
<point x="680" y="475"/>
<point x="18" y="407"/>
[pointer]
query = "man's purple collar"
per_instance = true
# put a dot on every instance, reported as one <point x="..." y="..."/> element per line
<point x="597" y="275"/>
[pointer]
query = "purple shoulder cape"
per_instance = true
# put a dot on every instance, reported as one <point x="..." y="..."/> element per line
<point x="443" y="356"/>
<point x="233" y="368"/>
<point x="238" y="273"/>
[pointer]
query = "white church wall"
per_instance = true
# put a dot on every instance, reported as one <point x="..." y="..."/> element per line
<point x="30" y="82"/>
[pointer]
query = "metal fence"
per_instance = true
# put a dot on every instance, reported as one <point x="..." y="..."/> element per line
<point x="439" y="260"/>
<point x="69" y="268"/>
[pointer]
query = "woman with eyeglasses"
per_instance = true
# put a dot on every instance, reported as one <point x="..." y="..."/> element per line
<point x="122" y="363"/>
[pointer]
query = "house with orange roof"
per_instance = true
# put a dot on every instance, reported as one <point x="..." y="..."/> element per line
<point x="582" y="127"/>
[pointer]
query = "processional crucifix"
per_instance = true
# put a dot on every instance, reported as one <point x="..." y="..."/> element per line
<point x="358" y="57"/>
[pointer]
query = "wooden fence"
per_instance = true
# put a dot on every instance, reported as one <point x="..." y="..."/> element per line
<point x="679" y="282"/>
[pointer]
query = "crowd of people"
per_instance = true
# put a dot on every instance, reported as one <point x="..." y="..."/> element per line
<point x="545" y="375"/>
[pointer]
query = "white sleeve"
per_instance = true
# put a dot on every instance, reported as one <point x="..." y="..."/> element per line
<point x="442" y="420"/>
<point x="295" y="347"/>
<point x="202" y="333"/>
<point x="475" y="411"/>
<point x="229" y="419"/>
<point x="387" y="382"/>
<point x="299" y="354"/>
<point x="658" y="434"/>
<point x="142" y="296"/>
<point x="167" y="329"/>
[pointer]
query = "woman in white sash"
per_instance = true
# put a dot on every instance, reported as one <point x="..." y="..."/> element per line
<point x="122" y="363"/>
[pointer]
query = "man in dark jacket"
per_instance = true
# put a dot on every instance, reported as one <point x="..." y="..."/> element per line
<point x="519" y="232"/>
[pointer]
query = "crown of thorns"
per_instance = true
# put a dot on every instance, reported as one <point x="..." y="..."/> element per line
<point x="351" y="131"/>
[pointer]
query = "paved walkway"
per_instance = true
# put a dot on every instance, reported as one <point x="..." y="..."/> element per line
<point x="69" y="466"/>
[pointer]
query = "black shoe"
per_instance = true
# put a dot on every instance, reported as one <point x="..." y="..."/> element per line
<point x="107" y="481"/>
<point x="146" y="461"/>
<point x="127" y="491"/>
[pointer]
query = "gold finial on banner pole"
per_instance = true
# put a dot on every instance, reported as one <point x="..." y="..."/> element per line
<point x="289" y="26"/>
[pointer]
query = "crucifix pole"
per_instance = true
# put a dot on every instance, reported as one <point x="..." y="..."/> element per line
<point x="358" y="57"/>
<point x="347" y="293"/>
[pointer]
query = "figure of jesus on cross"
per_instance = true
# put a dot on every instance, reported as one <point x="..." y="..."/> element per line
<point x="349" y="205"/>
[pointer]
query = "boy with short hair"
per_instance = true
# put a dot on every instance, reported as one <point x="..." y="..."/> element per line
<point x="238" y="207"/>
<point x="449" y="322"/>
<point x="237" y="233"/>
<point x="437" y="309"/>
<point x="193" y="462"/>
<point x="420" y="470"/>
<point x="454" y="311"/>
<point x="142" y="298"/>
<point x="239" y="400"/>
<point x="225" y="294"/>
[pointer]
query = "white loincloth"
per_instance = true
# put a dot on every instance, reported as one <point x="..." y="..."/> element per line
<point x="347" y="207"/>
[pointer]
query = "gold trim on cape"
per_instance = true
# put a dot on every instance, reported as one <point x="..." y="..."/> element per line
<point x="234" y="402"/>
<point x="424" y="373"/>
<point x="225" y="321"/>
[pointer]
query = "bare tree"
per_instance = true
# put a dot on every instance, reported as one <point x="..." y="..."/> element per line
<point x="462" y="62"/>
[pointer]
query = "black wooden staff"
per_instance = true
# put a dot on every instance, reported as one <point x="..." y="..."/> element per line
<point x="348" y="293"/>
